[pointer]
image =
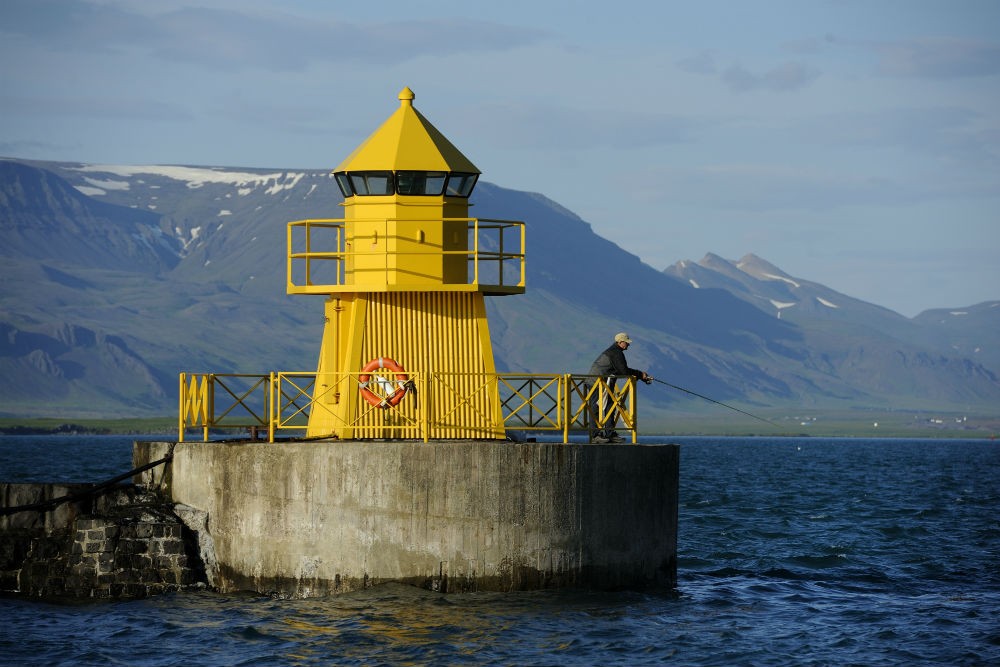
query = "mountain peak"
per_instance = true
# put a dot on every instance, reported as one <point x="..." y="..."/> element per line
<point x="713" y="261"/>
<point x="761" y="269"/>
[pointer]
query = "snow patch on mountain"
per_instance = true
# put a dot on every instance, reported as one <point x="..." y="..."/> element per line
<point x="293" y="180"/>
<point x="771" y="276"/>
<point x="826" y="303"/>
<point x="187" y="242"/>
<point x="97" y="187"/>
<point x="197" y="177"/>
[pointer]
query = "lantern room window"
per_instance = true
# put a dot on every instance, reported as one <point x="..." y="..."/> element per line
<point x="425" y="183"/>
<point x="460" y="185"/>
<point x="420" y="182"/>
<point x="371" y="182"/>
<point x="345" y="184"/>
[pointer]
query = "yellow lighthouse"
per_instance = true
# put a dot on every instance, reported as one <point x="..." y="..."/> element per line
<point x="406" y="349"/>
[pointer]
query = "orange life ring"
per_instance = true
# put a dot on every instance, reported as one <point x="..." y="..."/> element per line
<point x="395" y="396"/>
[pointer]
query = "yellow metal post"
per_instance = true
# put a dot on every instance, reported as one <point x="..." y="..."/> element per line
<point x="182" y="412"/>
<point x="566" y="403"/>
<point x="274" y="400"/>
<point x="207" y="398"/>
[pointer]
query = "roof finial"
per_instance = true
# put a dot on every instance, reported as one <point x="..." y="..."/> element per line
<point x="406" y="97"/>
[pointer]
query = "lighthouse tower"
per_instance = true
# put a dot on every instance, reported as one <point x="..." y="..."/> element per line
<point x="406" y="349"/>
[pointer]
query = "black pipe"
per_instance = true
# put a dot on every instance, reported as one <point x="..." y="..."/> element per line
<point x="46" y="505"/>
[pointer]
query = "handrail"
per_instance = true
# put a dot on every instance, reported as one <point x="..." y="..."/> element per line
<point x="283" y="401"/>
<point x="323" y="264"/>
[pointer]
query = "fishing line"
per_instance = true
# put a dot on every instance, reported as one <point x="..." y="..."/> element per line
<point x="688" y="391"/>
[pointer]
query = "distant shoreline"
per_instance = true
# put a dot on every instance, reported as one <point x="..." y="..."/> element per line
<point x="56" y="426"/>
<point x="62" y="429"/>
<point x="13" y="426"/>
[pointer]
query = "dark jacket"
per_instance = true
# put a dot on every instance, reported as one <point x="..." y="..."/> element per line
<point x="612" y="362"/>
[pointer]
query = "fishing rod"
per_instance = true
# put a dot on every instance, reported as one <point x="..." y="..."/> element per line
<point x="688" y="391"/>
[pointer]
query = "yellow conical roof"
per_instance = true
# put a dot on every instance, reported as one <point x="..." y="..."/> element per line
<point x="407" y="141"/>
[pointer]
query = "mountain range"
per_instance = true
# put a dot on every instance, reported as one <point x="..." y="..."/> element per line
<point x="117" y="278"/>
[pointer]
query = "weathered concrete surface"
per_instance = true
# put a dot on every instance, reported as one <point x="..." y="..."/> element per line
<point x="302" y="519"/>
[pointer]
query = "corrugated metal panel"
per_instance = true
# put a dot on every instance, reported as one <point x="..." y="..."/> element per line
<point x="436" y="336"/>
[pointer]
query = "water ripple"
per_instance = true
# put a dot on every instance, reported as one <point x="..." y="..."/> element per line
<point x="792" y="552"/>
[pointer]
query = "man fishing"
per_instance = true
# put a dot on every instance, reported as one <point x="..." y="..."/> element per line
<point x="609" y="365"/>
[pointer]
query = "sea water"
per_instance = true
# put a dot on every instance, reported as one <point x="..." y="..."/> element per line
<point x="792" y="551"/>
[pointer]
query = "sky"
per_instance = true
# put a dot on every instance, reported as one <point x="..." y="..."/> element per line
<point x="854" y="143"/>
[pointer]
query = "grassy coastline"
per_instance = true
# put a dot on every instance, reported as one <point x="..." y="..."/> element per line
<point x="70" y="426"/>
<point x="818" y="424"/>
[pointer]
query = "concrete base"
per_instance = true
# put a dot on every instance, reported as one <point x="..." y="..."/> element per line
<point x="304" y="519"/>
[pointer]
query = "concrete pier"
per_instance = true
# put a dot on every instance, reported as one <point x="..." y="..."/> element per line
<point x="304" y="519"/>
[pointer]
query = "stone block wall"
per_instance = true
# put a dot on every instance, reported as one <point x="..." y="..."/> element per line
<point x="126" y="543"/>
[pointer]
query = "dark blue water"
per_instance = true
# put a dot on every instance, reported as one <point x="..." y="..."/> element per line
<point x="792" y="552"/>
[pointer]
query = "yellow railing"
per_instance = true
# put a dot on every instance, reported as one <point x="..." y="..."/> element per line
<point x="283" y="401"/>
<point x="320" y="255"/>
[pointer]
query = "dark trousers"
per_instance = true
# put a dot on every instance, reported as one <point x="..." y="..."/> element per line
<point x="606" y="427"/>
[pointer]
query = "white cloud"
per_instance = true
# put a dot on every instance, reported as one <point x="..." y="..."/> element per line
<point x="785" y="77"/>
<point x="244" y="37"/>
<point x="939" y="58"/>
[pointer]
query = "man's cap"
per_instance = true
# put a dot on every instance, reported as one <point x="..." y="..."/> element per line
<point x="622" y="338"/>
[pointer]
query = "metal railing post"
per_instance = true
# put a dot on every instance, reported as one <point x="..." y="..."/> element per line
<point x="475" y="251"/>
<point x="423" y="382"/>
<point x="565" y="404"/>
<point x="272" y="415"/>
<point x="207" y="404"/>
<point x="634" y="412"/>
<point x="182" y="412"/>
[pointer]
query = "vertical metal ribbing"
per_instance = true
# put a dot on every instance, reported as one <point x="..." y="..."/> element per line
<point x="437" y="335"/>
